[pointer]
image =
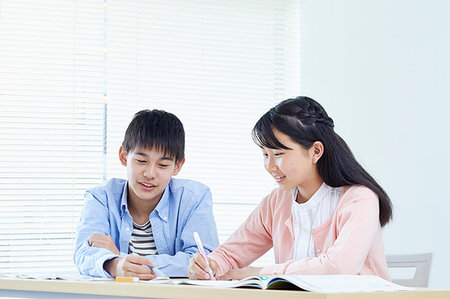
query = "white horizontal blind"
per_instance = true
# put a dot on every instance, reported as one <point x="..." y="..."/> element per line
<point x="217" y="65"/>
<point x="51" y="127"/>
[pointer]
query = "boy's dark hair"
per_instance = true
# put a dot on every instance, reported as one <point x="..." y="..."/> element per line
<point x="305" y="121"/>
<point x="156" y="129"/>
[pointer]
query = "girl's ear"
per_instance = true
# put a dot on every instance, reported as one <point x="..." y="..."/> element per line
<point x="317" y="151"/>
<point x="122" y="156"/>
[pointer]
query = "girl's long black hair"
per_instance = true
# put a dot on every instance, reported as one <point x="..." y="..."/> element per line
<point x="305" y="121"/>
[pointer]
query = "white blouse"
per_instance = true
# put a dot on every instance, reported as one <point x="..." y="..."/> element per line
<point x="313" y="213"/>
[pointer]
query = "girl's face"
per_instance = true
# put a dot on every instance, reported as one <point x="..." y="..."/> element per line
<point x="295" y="167"/>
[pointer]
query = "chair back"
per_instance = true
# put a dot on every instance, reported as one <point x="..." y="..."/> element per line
<point x="420" y="262"/>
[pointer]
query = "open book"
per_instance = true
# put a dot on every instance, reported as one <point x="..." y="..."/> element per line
<point x="53" y="276"/>
<point x="312" y="283"/>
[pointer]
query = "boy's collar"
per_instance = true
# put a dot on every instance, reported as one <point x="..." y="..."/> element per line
<point x="124" y="199"/>
<point x="162" y="208"/>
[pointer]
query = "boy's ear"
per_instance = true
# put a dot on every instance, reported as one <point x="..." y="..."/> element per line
<point x="178" y="166"/>
<point x="317" y="151"/>
<point x="122" y="156"/>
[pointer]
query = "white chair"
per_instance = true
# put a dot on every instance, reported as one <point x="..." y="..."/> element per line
<point x="420" y="262"/>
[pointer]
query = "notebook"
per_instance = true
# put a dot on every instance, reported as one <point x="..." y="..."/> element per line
<point x="312" y="283"/>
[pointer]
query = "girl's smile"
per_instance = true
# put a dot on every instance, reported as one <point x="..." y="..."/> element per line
<point x="279" y="178"/>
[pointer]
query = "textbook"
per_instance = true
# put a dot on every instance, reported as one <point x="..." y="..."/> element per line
<point x="54" y="276"/>
<point x="311" y="283"/>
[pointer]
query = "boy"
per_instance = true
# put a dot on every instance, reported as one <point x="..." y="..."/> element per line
<point x="129" y="226"/>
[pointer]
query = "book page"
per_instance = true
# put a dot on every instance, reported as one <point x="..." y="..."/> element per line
<point x="336" y="283"/>
<point x="249" y="282"/>
<point x="54" y="276"/>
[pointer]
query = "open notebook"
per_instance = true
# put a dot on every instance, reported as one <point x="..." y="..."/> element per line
<point x="312" y="283"/>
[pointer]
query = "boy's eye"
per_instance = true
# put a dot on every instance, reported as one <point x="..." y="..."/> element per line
<point x="140" y="161"/>
<point x="163" y="165"/>
<point x="277" y="154"/>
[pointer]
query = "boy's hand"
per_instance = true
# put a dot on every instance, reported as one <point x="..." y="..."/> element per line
<point x="238" y="274"/>
<point x="198" y="268"/>
<point x="103" y="241"/>
<point x="131" y="265"/>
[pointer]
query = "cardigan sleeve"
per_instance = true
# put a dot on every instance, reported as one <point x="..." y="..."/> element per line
<point x="250" y="241"/>
<point x="357" y="225"/>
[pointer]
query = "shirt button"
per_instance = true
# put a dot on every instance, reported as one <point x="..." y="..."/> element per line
<point x="318" y="250"/>
<point x="165" y="218"/>
<point x="127" y="229"/>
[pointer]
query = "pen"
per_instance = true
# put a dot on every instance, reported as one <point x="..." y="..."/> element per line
<point x="202" y="253"/>
<point x="157" y="272"/>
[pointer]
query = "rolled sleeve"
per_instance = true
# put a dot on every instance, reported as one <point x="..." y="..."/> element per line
<point x="89" y="260"/>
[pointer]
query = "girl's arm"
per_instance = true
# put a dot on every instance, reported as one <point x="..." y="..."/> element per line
<point x="250" y="241"/>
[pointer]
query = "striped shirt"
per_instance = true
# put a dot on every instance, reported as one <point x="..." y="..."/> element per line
<point x="142" y="242"/>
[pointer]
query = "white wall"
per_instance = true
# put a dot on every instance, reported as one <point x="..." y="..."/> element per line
<point x="382" y="71"/>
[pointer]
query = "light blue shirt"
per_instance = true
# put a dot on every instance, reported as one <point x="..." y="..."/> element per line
<point x="185" y="207"/>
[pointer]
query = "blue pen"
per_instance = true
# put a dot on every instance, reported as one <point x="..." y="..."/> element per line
<point x="158" y="272"/>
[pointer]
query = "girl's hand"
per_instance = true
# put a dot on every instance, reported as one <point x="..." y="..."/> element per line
<point x="103" y="241"/>
<point x="131" y="265"/>
<point x="238" y="274"/>
<point x="198" y="268"/>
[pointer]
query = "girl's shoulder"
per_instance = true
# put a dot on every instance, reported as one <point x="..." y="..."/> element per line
<point x="278" y="203"/>
<point x="354" y="193"/>
<point x="278" y="194"/>
<point x="278" y="197"/>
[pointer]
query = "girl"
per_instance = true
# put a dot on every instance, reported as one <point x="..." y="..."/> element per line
<point x="325" y="217"/>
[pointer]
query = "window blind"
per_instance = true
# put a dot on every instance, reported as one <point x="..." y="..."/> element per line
<point x="51" y="127"/>
<point x="71" y="82"/>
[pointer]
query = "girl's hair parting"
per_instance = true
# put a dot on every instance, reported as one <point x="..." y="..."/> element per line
<point x="305" y="121"/>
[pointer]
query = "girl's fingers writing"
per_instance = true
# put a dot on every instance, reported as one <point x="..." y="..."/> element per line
<point x="197" y="268"/>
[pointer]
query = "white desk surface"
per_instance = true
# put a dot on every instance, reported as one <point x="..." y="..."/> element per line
<point x="30" y="288"/>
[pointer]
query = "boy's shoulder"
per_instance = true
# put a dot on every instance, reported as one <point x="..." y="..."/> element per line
<point x="111" y="186"/>
<point x="191" y="186"/>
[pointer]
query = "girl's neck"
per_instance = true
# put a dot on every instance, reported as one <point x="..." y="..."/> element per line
<point x="308" y="189"/>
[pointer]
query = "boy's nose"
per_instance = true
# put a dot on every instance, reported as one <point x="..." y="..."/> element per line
<point x="149" y="172"/>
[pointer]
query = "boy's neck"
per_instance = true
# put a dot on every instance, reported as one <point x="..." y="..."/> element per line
<point x="140" y="210"/>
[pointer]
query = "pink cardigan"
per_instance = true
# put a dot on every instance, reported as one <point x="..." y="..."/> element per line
<point x="350" y="242"/>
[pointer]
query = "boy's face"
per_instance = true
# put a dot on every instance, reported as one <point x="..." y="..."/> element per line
<point x="149" y="173"/>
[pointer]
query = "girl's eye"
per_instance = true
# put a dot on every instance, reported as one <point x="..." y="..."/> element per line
<point x="278" y="154"/>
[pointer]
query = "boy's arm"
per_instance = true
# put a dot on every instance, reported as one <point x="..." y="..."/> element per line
<point x="200" y="219"/>
<point x="93" y="220"/>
